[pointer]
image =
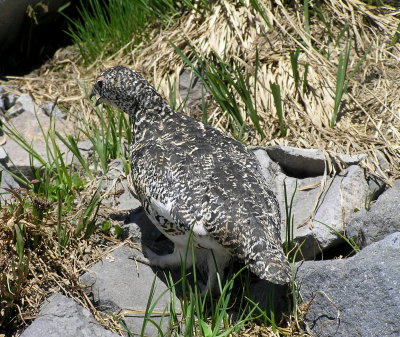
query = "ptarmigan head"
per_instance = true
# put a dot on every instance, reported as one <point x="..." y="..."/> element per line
<point x="124" y="88"/>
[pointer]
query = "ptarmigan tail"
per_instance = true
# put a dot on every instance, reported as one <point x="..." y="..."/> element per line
<point x="270" y="264"/>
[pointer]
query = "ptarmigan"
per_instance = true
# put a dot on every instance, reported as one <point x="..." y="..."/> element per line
<point x="191" y="177"/>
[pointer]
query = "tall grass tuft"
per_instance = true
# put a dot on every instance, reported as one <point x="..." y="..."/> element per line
<point x="276" y="93"/>
<point x="110" y="139"/>
<point x="230" y="86"/>
<point x="341" y="85"/>
<point x="105" y="27"/>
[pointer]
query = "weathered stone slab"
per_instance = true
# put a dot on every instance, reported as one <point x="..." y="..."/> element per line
<point x="319" y="203"/>
<point x="61" y="316"/>
<point x="31" y="122"/>
<point x="52" y="110"/>
<point x="380" y="220"/>
<point x="119" y="284"/>
<point x="306" y="162"/>
<point x="21" y="104"/>
<point x="358" y="296"/>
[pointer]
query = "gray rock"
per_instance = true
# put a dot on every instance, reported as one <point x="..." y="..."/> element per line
<point x="120" y="284"/>
<point x="345" y="195"/>
<point x="358" y="296"/>
<point x="318" y="202"/>
<point x="270" y="170"/>
<point x="306" y="162"/>
<point x="384" y="163"/>
<point x="3" y="155"/>
<point x="118" y="195"/>
<point x="121" y="198"/>
<point x="139" y="227"/>
<point x="52" y="110"/>
<point x="382" y="219"/>
<point x="27" y="124"/>
<point x="23" y="103"/>
<point x="9" y="100"/>
<point x="61" y="316"/>
<point x="375" y="188"/>
<point x="191" y="89"/>
<point x="85" y="145"/>
<point x="6" y="181"/>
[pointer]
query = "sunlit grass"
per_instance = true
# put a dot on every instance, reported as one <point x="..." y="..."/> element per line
<point x="57" y="202"/>
<point x="230" y="86"/>
<point x="341" y="84"/>
<point x="105" y="27"/>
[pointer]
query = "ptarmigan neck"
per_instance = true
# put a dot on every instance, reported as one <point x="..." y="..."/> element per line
<point x="149" y="115"/>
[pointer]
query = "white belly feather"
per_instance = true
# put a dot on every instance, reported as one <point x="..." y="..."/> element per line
<point x="200" y="235"/>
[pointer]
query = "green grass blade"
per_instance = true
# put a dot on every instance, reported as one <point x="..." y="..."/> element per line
<point x="341" y="86"/>
<point x="306" y="14"/>
<point x="276" y="93"/>
<point x="349" y="241"/>
<point x="294" y="61"/>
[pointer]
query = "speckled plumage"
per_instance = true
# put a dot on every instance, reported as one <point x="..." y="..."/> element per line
<point x="190" y="175"/>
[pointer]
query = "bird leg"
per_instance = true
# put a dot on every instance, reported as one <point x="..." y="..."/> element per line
<point x="139" y="257"/>
<point x="216" y="264"/>
<point x="169" y="260"/>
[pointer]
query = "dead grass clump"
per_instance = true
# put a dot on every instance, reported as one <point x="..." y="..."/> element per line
<point x="368" y="119"/>
<point x="34" y="265"/>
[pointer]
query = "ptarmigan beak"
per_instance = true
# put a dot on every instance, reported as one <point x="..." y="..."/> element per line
<point x="96" y="94"/>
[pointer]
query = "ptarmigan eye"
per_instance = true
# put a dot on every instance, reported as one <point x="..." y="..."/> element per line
<point x="100" y="84"/>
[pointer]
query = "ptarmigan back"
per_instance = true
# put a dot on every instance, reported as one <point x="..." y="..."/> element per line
<point x="190" y="176"/>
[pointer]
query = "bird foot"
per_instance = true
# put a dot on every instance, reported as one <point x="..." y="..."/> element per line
<point x="139" y="257"/>
<point x="203" y="288"/>
<point x="149" y="253"/>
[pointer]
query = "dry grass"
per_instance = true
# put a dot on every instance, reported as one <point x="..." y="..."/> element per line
<point x="369" y="118"/>
<point x="44" y="269"/>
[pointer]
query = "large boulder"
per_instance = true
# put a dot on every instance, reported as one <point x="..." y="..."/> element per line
<point x="358" y="296"/>
<point x="30" y="122"/>
<point x="321" y="203"/>
<point x="381" y="219"/>
<point x="61" y="316"/>
<point x="118" y="284"/>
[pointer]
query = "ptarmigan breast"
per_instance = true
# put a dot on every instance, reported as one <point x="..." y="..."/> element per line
<point x="191" y="177"/>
